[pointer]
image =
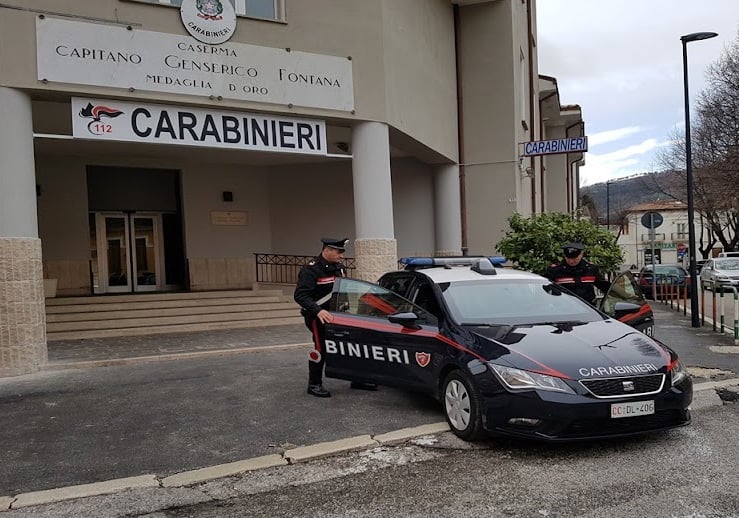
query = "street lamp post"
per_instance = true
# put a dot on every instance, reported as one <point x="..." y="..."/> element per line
<point x="694" y="316"/>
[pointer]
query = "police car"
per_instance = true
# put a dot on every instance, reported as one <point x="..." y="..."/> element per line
<point x="508" y="352"/>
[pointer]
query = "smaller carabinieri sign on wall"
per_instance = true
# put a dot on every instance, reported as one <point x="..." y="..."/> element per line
<point x="555" y="147"/>
<point x="106" y="119"/>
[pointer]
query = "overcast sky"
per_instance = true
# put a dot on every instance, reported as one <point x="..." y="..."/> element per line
<point x="621" y="61"/>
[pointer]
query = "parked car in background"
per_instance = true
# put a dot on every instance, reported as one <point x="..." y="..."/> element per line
<point x="669" y="276"/>
<point x="720" y="273"/>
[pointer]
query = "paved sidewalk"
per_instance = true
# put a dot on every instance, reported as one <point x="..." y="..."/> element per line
<point x="119" y="350"/>
<point x="709" y="355"/>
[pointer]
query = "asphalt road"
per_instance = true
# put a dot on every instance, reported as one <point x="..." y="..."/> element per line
<point x="689" y="472"/>
<point x="72" y="427"/>
<point x="685" y="473"/>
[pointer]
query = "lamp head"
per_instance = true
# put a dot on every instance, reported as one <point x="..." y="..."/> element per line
<point x="695" y="36"/>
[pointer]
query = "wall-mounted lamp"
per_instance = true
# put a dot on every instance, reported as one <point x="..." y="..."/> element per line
<point x="228" y="196"/>
<point x="343" y="146"/>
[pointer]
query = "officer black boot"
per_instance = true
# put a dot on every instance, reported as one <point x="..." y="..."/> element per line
<point x="318" y="390"/>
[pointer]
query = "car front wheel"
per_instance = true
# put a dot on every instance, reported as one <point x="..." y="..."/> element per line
<point x="462" y="406"/>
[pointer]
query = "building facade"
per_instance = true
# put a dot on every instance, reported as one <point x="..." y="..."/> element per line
<point x="148" y="145"/>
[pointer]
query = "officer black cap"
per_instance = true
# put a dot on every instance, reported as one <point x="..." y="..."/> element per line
<point x="339" y="244"/>
<point x="573" y="249"/>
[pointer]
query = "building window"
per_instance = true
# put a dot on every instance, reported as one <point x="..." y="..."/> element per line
<point x="266" y="9"/>
<point x="682" y="230"/>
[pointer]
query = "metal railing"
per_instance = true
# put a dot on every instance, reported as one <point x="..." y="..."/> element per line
<point x="721" y="327"/>
<point x="284" y="269"/>
<point x="667" y="290"/>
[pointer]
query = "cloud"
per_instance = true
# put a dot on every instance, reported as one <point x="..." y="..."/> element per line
<point x="621" y="162"/>
<point x="629" y="82"/>
<point x="603" y="137"/>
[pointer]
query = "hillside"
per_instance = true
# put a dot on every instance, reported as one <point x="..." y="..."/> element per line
<point x="627" y="192"/>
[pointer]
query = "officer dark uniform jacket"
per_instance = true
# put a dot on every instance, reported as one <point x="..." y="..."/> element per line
<point x="315" y="282"/>
<point x="579" y="279"/>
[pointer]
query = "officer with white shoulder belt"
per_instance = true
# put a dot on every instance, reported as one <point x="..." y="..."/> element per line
<point x="576" y="274"/>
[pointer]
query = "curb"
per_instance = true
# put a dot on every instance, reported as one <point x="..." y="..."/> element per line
<point x="85" y="490"/>
<point x="188" y="478"/>
<point x="705" y="399"/>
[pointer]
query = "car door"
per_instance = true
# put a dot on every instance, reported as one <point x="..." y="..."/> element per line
<point x="377" y="336"/>
<point x="624" y="301"/>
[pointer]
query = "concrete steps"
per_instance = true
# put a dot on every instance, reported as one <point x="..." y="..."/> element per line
<point x="157" y="313"/>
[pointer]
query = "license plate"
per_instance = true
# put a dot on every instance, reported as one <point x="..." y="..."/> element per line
<point x="632" y="409"/>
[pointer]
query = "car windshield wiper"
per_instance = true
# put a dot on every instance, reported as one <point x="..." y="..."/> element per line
<point x="556" y="323"/>
<point x="478" y="324"/>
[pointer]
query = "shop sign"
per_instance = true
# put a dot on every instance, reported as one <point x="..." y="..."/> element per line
<point x="209" y="21"/>
<point x="118" y="57"/>
<point x="107" y="119"/>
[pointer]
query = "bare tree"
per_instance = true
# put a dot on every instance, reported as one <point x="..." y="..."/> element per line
<point x="715" y="153"/>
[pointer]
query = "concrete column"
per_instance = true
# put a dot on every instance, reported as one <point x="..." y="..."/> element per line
<point x="448" y="211"/>
<point x="375" y="246"/>
<point x="22" y="311"/>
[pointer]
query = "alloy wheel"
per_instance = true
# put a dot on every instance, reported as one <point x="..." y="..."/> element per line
<point x="457" y="404"/>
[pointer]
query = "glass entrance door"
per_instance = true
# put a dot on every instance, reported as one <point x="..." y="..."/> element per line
<point x="126" y="252"/>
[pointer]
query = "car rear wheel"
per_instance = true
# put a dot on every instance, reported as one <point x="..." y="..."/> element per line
<point x="462" y="406"/>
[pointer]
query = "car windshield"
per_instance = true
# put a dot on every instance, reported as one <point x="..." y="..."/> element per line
<point x="727" y="264"/>
<point x="514" y="302"/>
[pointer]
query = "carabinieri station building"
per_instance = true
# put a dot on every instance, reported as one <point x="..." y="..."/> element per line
<point x="174" y="146"/>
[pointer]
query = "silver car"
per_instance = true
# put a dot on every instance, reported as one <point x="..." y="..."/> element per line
<point x="720" y="273"/>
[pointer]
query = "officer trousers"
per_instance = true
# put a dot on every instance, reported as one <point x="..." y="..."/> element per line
<point x="316" y="358"/>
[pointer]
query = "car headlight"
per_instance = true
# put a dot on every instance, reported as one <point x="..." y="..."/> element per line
<point x="517" y="379"/>
<point x="677" y="372"/>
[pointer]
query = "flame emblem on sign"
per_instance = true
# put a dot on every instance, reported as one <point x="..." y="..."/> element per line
<point x="423" y="359"/>
<point x="97" y="113"/>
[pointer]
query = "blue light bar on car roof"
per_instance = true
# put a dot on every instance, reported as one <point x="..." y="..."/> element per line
<point x="449" y="261"/>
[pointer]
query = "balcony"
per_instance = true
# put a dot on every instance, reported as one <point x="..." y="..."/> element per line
<point x="646" y="238"/>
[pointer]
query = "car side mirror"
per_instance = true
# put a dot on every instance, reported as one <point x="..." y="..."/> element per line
<point x="409" y="320"/>
<point x="622" y="309"/>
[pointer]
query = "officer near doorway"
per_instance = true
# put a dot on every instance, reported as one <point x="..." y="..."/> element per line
<point x="313" y="293"/>
<point x="576" y="274"/>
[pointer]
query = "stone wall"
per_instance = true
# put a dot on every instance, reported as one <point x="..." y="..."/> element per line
<point x="22" y="311"/>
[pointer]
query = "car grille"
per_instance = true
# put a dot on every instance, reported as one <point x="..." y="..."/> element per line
<point x="617" y="387"/>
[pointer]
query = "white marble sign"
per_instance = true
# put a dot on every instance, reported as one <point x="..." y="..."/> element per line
<point x="114" y="56"/>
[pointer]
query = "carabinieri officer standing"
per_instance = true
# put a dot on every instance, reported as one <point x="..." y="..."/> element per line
<point x="576" y="274"/>
<point x="313" y="293"/>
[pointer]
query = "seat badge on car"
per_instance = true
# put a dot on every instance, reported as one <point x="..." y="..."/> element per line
<point x="628" y="386"/>
<point x="423" y="359"/>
